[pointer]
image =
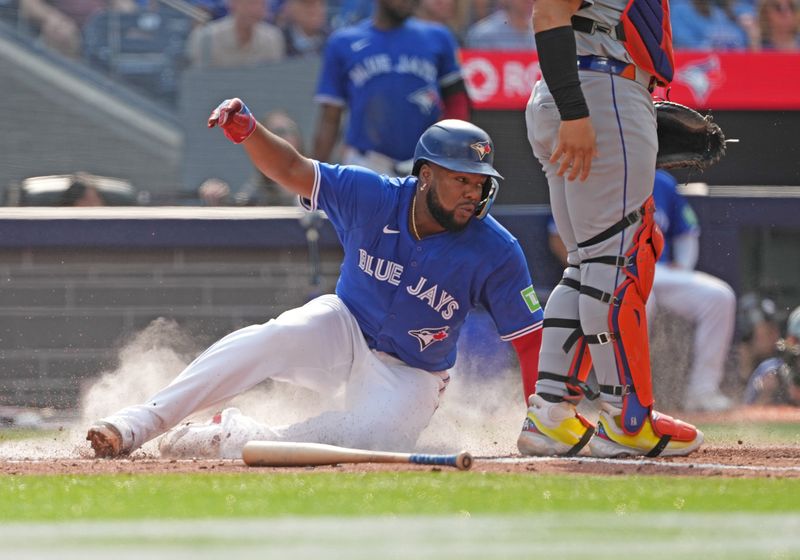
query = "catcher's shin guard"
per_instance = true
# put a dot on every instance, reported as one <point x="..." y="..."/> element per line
<point x="627" y="320"/>
<point x="565" y="357"/>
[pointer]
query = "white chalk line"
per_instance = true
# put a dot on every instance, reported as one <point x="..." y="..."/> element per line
<point x="636" y="462"/>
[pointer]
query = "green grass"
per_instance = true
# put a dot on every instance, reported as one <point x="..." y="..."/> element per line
<point x="749" y="433"/>
<point x="183" y="496"/>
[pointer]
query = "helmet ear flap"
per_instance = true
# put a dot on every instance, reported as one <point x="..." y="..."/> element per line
<point x="490" y="189"/>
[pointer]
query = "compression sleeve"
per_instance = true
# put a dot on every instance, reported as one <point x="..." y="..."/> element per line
<point x="456" y="102"/>
<point x="527" y="348"/>
<point x="559" y="66"/>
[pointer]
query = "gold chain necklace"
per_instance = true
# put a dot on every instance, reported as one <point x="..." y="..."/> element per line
<point x="413" y="218"/>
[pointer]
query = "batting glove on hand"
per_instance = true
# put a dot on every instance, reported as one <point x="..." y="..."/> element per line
<point x="234" y="118"/>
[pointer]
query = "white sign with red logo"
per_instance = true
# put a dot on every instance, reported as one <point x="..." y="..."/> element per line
<point x="503" y="80"/>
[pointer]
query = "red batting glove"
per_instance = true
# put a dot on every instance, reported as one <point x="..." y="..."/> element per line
<point x="234" y="118"/>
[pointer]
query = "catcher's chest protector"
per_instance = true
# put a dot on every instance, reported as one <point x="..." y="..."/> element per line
<point x="648" y="37"/>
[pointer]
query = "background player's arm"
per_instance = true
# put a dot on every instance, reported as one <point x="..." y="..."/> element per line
<point x="456" y="101"/>
<point x="577" y="143"/>
<point x="327" y="132"/>
<point x="271" y="154"/>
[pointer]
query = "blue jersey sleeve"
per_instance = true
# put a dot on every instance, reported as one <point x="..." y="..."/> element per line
<point x="673" y="212"/>
<point x="449" y="68"/>
<point x="350" y="196"/>
<point x="510" y="299"/>
<point x="332" y="84"/>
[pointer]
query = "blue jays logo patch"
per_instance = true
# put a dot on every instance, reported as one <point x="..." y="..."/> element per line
<point x="426" y="337"/>
<point x="426" y="99"/>
<point x="482" y="148"/>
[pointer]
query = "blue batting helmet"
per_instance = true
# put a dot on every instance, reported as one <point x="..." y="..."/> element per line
<point x="460" y="146"/>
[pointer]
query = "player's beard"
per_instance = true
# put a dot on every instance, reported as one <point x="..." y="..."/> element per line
<point x="444" y="218"/>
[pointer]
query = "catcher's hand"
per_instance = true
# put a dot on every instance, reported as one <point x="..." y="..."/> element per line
<point x="686" y="138"/>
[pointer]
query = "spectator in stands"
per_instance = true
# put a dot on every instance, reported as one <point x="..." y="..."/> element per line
<point x="81" y="192"/>
<point x="397" y="75"/>
<point x="508" y="28"/>
<point x="352" y="11"/>
<point x="242" y="38"/>
<point x="710" y="24"/>
<point x="778" y="25"/>
<point x="758" y="331"/>
<point x="777" y="379"/>
<point x="259" y="190"/>
<point x="305" y="26"/>
<point x="59" y="22"/>
<point x="452" y="13"/>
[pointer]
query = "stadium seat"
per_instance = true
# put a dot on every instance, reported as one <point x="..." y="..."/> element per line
<point x="143" y="49"/>
<point x="53" y="190"/>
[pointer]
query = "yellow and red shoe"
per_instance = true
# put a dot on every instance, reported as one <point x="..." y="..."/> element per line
<point x="661" y="435"/>
<point x="553" y="429"/>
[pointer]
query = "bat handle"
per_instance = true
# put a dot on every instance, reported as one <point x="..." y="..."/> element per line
<point x="461" y="461"/>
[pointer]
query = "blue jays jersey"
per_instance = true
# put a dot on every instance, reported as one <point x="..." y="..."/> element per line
<point x="390" y="81"/>
<point x="411" y="297"/>
<point x="673" y="214"/>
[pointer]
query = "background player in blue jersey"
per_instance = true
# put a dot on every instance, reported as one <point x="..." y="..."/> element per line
<point x="776" y="380"/>
<point x="419" y="253"/>
<point x="708" y="302"/>
<point x="396" y="76"/>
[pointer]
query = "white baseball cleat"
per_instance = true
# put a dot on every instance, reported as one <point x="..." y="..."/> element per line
<point x="194" y="440"/>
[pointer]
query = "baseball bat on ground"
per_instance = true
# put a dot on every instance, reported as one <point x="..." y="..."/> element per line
<point x="294" y="454"/>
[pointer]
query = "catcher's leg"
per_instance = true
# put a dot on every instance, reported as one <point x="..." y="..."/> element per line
<point x="552" y="425"/>
<point x="615" y="326"/>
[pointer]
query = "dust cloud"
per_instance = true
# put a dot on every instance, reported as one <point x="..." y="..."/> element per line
<point x="479" y="413"/>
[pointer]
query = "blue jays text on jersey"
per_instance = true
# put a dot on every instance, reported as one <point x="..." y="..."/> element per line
<point x="390" y="80"/>
<point x="411" y="297"/>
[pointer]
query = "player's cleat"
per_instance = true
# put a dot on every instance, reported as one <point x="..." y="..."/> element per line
<point x="661" y="435"/>
<point x="106" y="440"/>
<point x="712" y="401"/>
<point x="193" y="440"/>
<point x="553" y="429"/>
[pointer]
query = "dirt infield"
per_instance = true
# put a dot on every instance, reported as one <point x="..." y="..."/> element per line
<point x="718" y="461"/>
<point x="744" y="458"/>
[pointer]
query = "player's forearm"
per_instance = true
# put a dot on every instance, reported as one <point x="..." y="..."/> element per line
<point x="327" y="132"/>
<point x="278" y="160"/>
<point x="685" y="250"/>
<point x="555" y="42"/>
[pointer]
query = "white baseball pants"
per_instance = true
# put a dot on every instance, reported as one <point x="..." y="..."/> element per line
<point x="710" y="304"/>
<point x="319" y="346"/>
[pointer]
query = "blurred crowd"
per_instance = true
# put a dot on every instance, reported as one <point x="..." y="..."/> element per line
<point x="246" y="32"/>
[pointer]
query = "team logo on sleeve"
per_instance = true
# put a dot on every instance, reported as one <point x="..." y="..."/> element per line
<point x="482" y="148"/>
<point x="426" y="337"/>
<point x="426" y="99"/>
<point x="529" y="296"/>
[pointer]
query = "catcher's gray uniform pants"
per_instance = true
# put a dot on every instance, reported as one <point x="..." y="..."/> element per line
<point x="620" y="181"/>
<point x="319" y="346"/>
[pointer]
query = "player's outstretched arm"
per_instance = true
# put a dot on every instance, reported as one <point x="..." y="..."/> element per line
<point x="272" y="155"/>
